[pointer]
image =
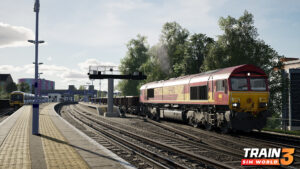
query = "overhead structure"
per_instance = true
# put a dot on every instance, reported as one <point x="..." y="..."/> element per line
<point x="107" y="72"/>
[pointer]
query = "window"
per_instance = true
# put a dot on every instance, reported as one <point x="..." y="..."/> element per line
<point x="220" y="85"/>
<point x="16" y="97"/>
<point x="258" y="84"/>
<point x="150" y="93"/>
<point x="239" y="84"/>
<point x="198" y="93"/>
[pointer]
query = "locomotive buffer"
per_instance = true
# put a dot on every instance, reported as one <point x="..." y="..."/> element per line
<point x="96" y="74"/>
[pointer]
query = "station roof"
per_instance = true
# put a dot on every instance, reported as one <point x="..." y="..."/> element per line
<point x="3" y="77"/>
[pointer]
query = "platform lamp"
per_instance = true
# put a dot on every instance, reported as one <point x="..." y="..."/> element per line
<point x="35" y="114"/>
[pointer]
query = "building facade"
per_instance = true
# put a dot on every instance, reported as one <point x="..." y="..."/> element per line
<point x="291" y="94"/>
<point x="5" y="79"/>
<point x="61" y="95"/>
<point x="43" y="83"/>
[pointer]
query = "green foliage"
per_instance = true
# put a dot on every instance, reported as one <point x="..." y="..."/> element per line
<point x="81" y="87"/>
<point x="197" y="49"/>
<point x="179" y="53"/>
<point x="240" y="45"/>
<point x="24" y="87"/>
<point x="174" y="38"/>
<point x="101" y="94"/>
<point x="137" y="55"/>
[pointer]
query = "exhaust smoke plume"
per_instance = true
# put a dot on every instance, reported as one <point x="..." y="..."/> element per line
<point x="163" y="58"/>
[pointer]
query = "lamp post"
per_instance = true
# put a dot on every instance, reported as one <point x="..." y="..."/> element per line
<point x="39" y="84"/>
<point x="35" y="115"/>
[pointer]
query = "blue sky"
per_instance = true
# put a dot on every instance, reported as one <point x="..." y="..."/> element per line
<point x="80" y="33"/>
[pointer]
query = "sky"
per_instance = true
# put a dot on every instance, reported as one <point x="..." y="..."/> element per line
<point x="95" y="32"/>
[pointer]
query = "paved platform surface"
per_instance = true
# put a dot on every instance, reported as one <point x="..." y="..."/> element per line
<point x="59" y="144"/>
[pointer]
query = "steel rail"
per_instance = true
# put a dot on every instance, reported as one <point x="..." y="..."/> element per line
<point x="162" y="145"/>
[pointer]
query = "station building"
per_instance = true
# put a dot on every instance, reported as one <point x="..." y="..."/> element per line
<point x="5" y="79"/>
<point x="62" y="95"/>
<point x="291" y="93"/>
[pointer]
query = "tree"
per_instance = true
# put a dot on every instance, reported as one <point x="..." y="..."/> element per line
<point x="197" y="49"/>
<point x="174" y="38"/>
<point x="10" y="87"/>
<point x="157" y="66"/>
<point x="136" y="56"/>
<point x="24" y="87"/>
<point x="240" y="45"/>
<point x="82" y="87"/>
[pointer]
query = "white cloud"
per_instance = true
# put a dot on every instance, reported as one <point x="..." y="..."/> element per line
<point x="63" y="76"/>
<point x="117" y="22"/>
<point x="49" y="58"/>
<point x="14" y="36"/>
<point x="9" y="68"/>
<point x="84" y="66"/>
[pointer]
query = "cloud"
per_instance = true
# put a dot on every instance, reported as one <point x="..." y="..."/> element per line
<point x="49" y="58"/>
<point x="9" y="68"/>
<point x="62" y="75"/>
<point x="84" y="66"/>
<point x="14" y="36"/>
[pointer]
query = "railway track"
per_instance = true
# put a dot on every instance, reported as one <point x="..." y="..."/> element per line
<point x="242" y="140"/>
<point x="120" y="148"/>
<point x="178" y="153"/>
<point x="5" y="113"/>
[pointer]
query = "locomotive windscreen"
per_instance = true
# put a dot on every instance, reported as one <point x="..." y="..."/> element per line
<point x="17" y="97"/>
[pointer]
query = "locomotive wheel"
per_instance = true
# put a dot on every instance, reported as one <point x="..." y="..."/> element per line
<point x="193" y="123"/>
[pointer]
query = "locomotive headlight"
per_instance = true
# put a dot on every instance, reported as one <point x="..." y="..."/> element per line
<point x="236" y="105"/>
<point x="262" y="105"/>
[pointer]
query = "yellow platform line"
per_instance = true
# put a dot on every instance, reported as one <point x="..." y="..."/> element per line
<point x="14" y="151"/>
<point x="58" y="153"/>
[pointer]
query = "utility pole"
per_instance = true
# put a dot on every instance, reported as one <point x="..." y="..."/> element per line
<point x="35" y="106"/>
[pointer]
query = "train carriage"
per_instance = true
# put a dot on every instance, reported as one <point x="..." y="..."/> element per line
<point x="18" y="99"/>
<point x="230" y="98"/>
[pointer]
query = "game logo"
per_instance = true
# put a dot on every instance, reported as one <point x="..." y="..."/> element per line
<point x="268" y="156"/>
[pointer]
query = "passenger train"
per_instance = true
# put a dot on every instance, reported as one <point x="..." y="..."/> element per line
<point x="18" y="99"/>
<point x="233" y="98"/>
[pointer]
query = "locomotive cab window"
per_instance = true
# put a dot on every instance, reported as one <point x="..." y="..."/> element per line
<point x="239" y="84"/>
<point x="150" y="93"/>
<point x="258" y="84"/>
<point x="198" y="93"/>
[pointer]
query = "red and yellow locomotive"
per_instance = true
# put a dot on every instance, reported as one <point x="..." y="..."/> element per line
<point x="233" y="98"/>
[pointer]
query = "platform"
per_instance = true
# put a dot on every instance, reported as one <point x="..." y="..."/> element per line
<point x="59" y="145"/>
<point x="102" y="109"/>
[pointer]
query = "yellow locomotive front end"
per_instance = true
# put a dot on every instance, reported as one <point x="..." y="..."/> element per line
<point x="248" y="102"/>
<point x="16" y="99"/>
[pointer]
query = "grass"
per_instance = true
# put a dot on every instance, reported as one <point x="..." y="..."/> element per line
<point x="282" y="131"/>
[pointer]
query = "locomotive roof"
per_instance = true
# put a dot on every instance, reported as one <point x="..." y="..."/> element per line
<point x="223" y="73"/>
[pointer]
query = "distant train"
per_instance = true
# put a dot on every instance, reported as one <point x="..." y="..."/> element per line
<point x="18" y="99"/>
<point x="234" y="98"/>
